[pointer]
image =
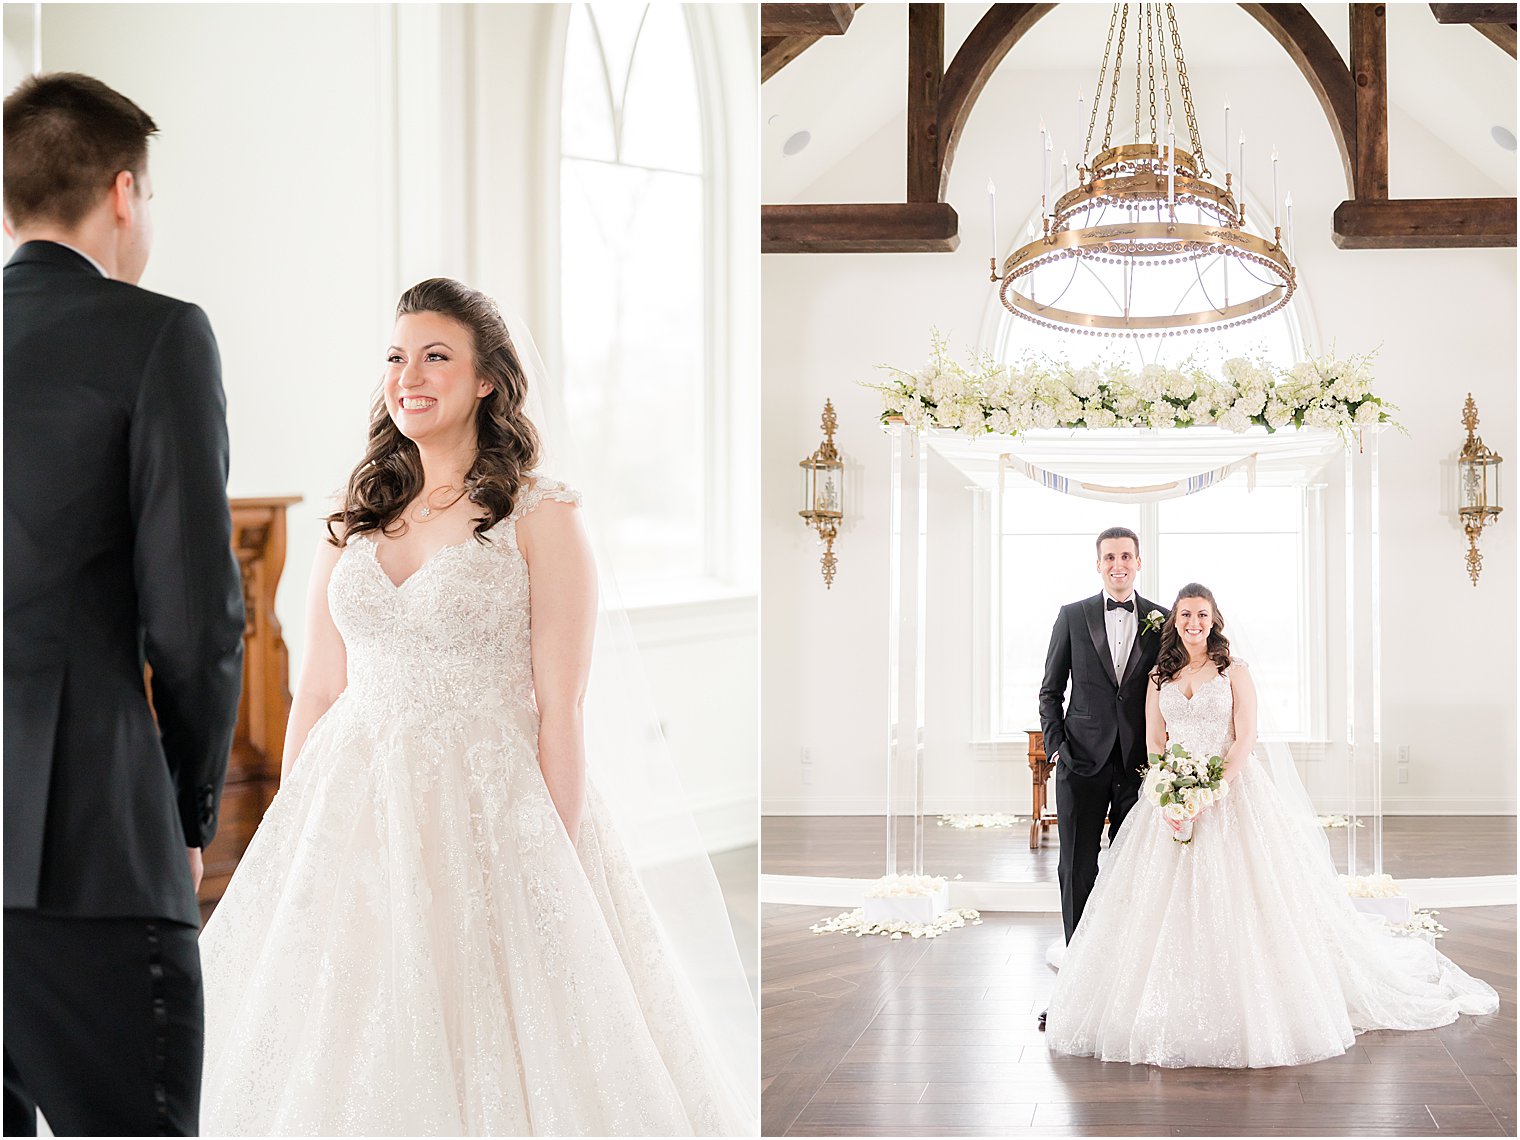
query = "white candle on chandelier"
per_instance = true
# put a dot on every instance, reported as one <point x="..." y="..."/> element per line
<point x="992" y="217"/>
<point x="1227" y="137"/>
<point x="1240" y="190"/>
<point x="1290" y="225"/>
<point x="1044" y="165"/>
<point x="1276" y="212"/>
<point x="1171" y="169"/>
<point x="1081" y="103"/>
<point x="1065" y="174"/>
<point x="1048" y="148"/>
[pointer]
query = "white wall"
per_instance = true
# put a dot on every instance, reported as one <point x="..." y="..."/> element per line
<point x="1442" y="319"/>
<point x="313" y="160"/>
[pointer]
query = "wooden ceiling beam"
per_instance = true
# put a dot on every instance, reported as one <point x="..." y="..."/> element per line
<point x="1354" y="99"/>
<point x="1311" y="49"/>
<point x="1501" y="34"/>
<point x="926" y="72"/>
<point x="1426" y="223"/>
<point x="805" y="19"/>
<point x="870" y="227"/>
<point x="1474" y="13"/>
<point x="989" y="42"/>
<point x="778" y="51"/>
<point x="1369" y="72"/>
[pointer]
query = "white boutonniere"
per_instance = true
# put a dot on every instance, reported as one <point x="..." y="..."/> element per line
<point x="1152" y="621"/>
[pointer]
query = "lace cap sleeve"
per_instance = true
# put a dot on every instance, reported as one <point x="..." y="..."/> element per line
<point x="539" y="489"/>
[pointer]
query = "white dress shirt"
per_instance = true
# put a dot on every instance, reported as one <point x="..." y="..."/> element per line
<point x="1122" y="626"/>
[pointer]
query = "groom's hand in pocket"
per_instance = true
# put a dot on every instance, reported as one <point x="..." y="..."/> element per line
<point x="197" y="866"/>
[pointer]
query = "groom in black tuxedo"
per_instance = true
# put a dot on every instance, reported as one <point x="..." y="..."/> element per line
<point x="1102" y="646"/>
<point x="117" y="555"/>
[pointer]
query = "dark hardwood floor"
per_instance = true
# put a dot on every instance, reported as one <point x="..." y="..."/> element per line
<point x="866" y="1036"/>
<point x="854" y="846"/>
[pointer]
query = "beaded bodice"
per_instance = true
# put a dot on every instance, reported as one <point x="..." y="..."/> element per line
<point x="452" y="638"/>
<point x="1204" y="724"/>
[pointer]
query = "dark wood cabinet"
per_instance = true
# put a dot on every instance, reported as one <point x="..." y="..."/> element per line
<point x="253" y="769"/>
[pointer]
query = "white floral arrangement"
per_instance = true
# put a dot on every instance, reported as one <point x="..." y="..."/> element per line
<point x="854" y="922"/>
<point x="1036" y="392"/>
<point x="1184" y="787"/>
<point x="966" y="821"/>
<point x="906" y="886"/>
<point x="1371" y="886"/>
<point x="1329" y="822"/>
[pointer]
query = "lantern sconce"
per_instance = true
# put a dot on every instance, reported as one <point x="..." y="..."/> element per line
<point x="823" y="493"/>
<point x="1477" y="487"/>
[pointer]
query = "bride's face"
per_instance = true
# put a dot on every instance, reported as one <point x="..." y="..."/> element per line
<point x="431" y="386"/>
<point x="1194" y="618"/>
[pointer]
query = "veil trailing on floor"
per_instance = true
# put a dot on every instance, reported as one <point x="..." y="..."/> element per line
<point x="630" y="766"/>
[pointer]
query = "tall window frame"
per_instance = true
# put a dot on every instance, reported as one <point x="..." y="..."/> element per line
<point x="1281" y="340"/>
<point x="722" y="563"/>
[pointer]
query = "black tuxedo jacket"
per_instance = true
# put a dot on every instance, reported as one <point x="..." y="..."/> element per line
<point x="1103" y="707"/>
<point x="117" y="553"/>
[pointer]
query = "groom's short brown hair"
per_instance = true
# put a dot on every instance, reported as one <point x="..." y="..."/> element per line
<point x="67" y="136"/>
<point x="1118" y="532"/>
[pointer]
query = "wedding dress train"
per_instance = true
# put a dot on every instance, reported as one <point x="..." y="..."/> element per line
<point x="1241" y="948"/>
<point x="411" y="944"/>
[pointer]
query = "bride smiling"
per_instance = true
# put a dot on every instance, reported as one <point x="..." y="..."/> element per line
<point x="436" y="929"/>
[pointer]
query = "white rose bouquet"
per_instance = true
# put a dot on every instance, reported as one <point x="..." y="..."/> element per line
<point x="1184" y="787"/>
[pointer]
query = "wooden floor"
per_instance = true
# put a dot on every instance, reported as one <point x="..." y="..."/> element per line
<point x="865" y="1036"/>
<point x="854" y="846"/>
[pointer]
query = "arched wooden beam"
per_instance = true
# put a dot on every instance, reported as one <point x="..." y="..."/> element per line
<point x="1305" y="41"/>
<point x="1004" y="25"/>
<point x="992" y="38"/>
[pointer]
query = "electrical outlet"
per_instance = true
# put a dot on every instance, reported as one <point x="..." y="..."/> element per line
<point x="1403" y="754"/>
<point x="1403" y="774"/>
<point x="807" y="768"/>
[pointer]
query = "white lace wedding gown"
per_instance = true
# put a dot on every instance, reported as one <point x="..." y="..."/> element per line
<point x="1240" y="949"/>
<point x="411" y="945"/>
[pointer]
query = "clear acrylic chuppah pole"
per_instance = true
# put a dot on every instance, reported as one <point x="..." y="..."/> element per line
<point x="907" y="608"/>
<point x="1364" y="855"/>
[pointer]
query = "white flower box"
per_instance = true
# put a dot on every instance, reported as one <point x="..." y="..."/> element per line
<point x="920" y="908"/>
<point x="1397" y="910"/>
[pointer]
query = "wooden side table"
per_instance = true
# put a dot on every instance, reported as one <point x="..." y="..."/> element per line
<point x="1043" y="816"/>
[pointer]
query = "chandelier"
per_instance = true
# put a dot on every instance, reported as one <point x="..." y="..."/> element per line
<point x="1146" y="244"/>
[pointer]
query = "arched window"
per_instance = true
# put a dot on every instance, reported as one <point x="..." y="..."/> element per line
<point x="636" y="308"/>
<point x="1263" y="550"/>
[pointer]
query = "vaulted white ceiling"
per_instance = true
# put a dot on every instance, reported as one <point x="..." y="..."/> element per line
<point x="1447" y="79"/>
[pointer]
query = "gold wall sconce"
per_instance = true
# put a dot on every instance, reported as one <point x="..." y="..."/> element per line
<point x="1477" y="487"/>
<point x="823" y="493"/>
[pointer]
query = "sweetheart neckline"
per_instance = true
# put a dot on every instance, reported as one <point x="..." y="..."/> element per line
<point x="1198" y="689"/>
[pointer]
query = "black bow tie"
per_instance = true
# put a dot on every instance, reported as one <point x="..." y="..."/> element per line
<point x="1110" y="604"/>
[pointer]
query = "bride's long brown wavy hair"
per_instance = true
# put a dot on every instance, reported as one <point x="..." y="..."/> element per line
<point x="507" y="446"/>
<point x="1173" y="655"/>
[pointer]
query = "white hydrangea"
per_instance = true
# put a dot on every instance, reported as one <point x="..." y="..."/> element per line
<point x="1085" y="382"/>
<point x="1368" y="412"/>
<point x="1100" y="418"/>
<point x="1235" y="420"/>
<point x="1179" y="385"/>
<point x="1278" y="414"/>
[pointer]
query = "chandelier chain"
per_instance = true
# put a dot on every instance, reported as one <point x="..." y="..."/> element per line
<point x="1187" y="93"/>
<point x="1150" y="64"/>
<point x="1138" y="78"/>
<point x="1166" y="75"/>
<point x="1113" y="94"/>
<point x="1092" y="122"/>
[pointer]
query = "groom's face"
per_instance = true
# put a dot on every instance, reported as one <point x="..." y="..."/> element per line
<point x="1118" y="564"/>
